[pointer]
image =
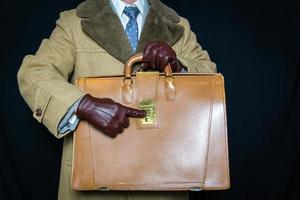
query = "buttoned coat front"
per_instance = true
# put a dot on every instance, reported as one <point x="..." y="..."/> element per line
<point x="90" y="41"/>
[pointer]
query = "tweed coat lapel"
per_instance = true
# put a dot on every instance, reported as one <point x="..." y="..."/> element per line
<point x="99" y="21"/>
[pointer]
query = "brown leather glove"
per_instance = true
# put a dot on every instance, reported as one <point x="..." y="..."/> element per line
<point x="157" y="55"/>
<point x="106" y="115"/>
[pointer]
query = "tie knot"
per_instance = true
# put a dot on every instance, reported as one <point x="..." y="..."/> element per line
<point x="131" y="11"/>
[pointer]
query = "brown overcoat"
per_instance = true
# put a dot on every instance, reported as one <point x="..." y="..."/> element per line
<point x="90" y="41"/>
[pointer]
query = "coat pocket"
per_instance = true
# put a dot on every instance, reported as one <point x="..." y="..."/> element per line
<point x="91" y="62"/>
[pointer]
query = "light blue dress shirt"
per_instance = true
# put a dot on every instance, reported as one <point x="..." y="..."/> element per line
<point x="143" y="6"/>
<point x="70" y="120"/>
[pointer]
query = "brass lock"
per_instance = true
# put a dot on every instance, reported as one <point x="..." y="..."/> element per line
<point x="149" y="106"/>
<point x="147" y="96"/>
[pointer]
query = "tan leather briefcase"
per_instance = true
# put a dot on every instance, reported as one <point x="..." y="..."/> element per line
<point x="180" y="145"/>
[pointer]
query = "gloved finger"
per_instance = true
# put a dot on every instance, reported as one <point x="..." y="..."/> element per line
<point x="147" y="56"/>
<point x="117" y="127"/>
<point x="110" y="133"/>
<point x="152" y="54"/>
<point x="147" y="51"/>
<point x="132" y="112"/>
<point x="126" y="122"/>
<point x="162" y="59"/>
<point x="145" y="66"/>
<point x="120" y="129"/>
<point x="113" y="135"/>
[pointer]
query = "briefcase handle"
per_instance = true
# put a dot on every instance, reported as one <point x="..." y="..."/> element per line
<point x="127" y="89"/>
<point x="139" y="58"/>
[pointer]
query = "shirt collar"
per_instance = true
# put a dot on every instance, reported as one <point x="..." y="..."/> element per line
<point x="120" y="5"/>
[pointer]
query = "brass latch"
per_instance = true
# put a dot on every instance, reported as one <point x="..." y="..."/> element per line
<point x="149" y="106"/>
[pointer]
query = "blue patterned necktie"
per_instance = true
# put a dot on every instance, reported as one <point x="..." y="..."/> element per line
<point x="132" y="26"/>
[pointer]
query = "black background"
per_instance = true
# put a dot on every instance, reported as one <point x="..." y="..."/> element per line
<point x="255" y="45"/>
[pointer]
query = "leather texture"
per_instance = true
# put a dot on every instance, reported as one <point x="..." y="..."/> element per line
<point x="186" y="148"/>
<point x="106" y="115"/>
<point x="157" y="55"/>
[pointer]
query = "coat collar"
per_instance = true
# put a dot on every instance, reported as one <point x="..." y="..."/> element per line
<point x="100" y="22"/>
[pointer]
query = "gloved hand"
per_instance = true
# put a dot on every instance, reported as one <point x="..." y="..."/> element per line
<point x="157" y="55"/>
<point x="106" y="115"/>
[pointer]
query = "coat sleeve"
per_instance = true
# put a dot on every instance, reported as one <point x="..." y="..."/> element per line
<point x="43" y="77"/>
<point x="191" y="54"/>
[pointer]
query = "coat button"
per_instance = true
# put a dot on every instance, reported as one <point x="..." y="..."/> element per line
<point x="38" y="112"/>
